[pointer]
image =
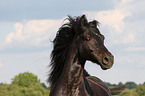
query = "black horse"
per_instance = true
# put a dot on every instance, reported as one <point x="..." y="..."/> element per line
<point x="76" y="42"/>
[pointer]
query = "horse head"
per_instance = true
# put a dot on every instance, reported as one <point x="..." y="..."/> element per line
<point x="91" y="43"/>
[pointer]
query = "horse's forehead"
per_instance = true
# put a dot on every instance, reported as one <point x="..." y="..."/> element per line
<point x="94" y="31"/>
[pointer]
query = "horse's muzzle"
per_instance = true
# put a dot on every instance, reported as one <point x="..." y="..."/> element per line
<point x="107" y="61"/>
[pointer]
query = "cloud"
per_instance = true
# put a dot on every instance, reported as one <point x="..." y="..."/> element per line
<point x="126" y="1"/>
<point x="2" y="46"/>
<point x="1" y="65"/>
<point x="129" y="38"/>
<point x="32" y="33"/>
<point x="135" y="49"/>
<point x="17" y="11"/>
<point x="135" y="60"/>
<point x="111" y="18"/>
<point x="116" y="23"/>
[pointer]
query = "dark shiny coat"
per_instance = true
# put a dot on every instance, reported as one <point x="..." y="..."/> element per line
<point x="76" y="42"/>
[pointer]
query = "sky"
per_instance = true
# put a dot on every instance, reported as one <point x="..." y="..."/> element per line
<point x="27" y="28"/>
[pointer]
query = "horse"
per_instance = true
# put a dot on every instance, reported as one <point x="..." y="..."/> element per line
<point x="76" y="42"/>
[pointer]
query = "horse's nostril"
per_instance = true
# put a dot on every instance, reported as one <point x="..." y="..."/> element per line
<point x="105" y="60"/>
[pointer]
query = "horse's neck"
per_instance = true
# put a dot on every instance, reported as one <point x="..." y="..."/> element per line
<point x="73" y="70"/>
<point x="72" y="74"/>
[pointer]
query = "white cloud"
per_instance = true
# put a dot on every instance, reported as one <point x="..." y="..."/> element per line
<point x="114" y="18"/>
<point x="134" y="60"/>
<point x="2" y="46"/>
<point x="126" y="1"/>
<point x="119" y="3"/>
<point x="38" y="32"/>
<point x="33" y="32"/>
<point x="135" y="49"/>
<point x="115" y="22"/>
<point x="111" y="18"/>
<point x="129" y="38"/>
<point x="1" y="65"/>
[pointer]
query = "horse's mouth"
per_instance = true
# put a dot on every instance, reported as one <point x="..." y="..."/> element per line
<point x="105" y="67"/>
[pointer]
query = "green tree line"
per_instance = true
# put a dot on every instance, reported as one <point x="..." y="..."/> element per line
<point x="131" y="89"/>
<point x="129" y="85"/>
<point x="28" y="84"/>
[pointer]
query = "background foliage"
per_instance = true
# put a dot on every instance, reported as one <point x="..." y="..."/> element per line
<point x="25" y="79"/>
<point x="24" y="84"/>
<point x="132" y="89"/>
<point x="28" y="84"/>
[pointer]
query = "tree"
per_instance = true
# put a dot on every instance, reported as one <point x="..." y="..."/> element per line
<point x="130" y="85"/>
<point x="120" y="84"/>
<point x="24" y="84"/>
<point x="25" y="79"/>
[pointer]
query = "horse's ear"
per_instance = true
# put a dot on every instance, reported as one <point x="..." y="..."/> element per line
<point x="94" y="23"/>
<point x="83" y="21"/>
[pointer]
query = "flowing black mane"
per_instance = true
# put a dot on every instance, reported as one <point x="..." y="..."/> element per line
<point x="61" y="45"/>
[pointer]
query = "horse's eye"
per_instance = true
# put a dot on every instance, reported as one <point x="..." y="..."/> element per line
<point x="88" y="38"/>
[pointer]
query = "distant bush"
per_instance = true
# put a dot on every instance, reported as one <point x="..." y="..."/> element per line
<point x="130" y="85"/>
<point x="15" y="90"/>
<point x="24" y="84"/>
<point x="138" y="91"/>
<point x="25" y="79"/>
